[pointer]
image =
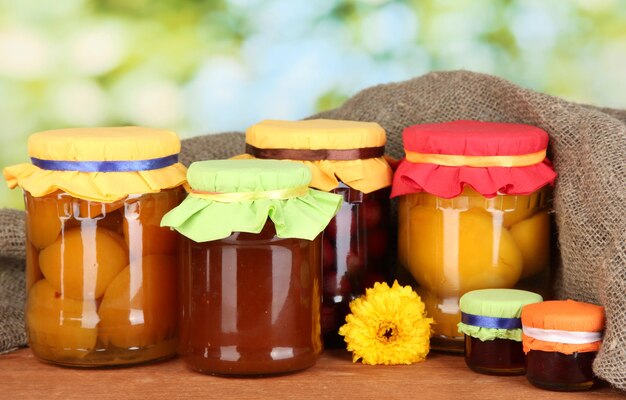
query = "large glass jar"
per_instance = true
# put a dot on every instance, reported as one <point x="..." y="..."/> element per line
<point x="561" y="340"/>
<point x="490" y="320"/>
<point x="251" y="303"/>
<point x="472" y="214"/>
<point x="250" y="289"/>
<point x="100" y="272"/>
<point x="345" y="157"/>
<point x="102" y="285"/>
<point x="355" y="251"/>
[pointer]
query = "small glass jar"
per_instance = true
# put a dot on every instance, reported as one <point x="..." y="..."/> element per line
<point x="100" y="271"/>
<point x="252" y="261"/>
<point x="345" y="157"/>
<point x="472" y="214"/>
<point x="494" y="357"/>
<point x="561" y="340"/>
<point x="490" y="320"/>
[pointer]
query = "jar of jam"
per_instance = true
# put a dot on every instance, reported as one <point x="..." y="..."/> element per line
<point x="490" y="320"/>
<point x="345" y="157"/>
<point x="561" y="340"/>
<point x="251" y="266"/>
<point x="472" y="214"/>
<point x="100" y="271"/>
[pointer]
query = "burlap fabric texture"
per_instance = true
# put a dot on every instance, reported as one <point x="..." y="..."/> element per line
<point x="587" y="146"/>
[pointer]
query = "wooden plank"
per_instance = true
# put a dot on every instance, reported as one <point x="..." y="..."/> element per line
<point x="334" y="376"/>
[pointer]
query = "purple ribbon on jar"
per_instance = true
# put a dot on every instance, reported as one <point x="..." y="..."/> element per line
<point x="482" y="321"/>
<point x="106" y="166"/>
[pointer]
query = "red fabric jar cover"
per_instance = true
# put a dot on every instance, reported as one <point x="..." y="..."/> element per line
<point x="511" y="158"/>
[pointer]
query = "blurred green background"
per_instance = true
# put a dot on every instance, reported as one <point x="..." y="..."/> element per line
<point x="208" y="66"/>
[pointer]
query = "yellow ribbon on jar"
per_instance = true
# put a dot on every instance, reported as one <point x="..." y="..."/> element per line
<point x="453" y="160"/>
<point x="234" y="197"/>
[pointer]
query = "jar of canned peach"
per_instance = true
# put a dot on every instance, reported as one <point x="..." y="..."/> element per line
<point x="472" y="214"/>
<point x="100" y="271"/>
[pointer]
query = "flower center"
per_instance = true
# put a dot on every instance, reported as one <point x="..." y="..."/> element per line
<point x="387" y="332"/>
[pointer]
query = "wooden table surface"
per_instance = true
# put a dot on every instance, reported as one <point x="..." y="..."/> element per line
<point x="334" y="376"/>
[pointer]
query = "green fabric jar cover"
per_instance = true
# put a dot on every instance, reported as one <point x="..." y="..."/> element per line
<point x="229" y="196"/>
<point x="481" y="310"/>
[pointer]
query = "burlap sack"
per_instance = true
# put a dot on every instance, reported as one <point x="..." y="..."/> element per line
<point x="12" y="280"/>
<point x="588" y="148"/>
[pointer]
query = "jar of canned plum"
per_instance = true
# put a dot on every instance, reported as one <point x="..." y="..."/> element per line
<point x="100" y="271"/>
<point x="561" y="339"/>
<point x="490" y="321"/>
<point x="472" y="214"/>
<point x="251" y="265"/>
<point x="345" y="157"/>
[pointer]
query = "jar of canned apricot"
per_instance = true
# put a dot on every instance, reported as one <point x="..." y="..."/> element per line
<point x="346" y="158"/>
<point x="472" y="214"/>
<point x="251" y="233"/>
<point x="100" y="271"/>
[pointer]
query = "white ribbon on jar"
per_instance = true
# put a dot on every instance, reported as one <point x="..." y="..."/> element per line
<point x="568" y="337"/>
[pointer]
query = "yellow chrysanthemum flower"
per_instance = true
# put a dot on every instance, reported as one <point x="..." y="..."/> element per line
<point x="387" y="326"/>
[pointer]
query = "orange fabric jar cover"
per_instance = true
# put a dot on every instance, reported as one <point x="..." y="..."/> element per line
<point x="490" y="157"/>
<point x="563" y="326"/>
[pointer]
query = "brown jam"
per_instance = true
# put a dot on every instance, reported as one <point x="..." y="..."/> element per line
<point x="494" y="357"/>
<point x="101" y="279"/>
<point x="355" y="247"/>
<point x="250" y="304"/>
<point x="561" y="372"/>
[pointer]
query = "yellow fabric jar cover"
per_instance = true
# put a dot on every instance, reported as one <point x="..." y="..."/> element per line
<point x="366" y="174"/>
<point x="135" y="160"/>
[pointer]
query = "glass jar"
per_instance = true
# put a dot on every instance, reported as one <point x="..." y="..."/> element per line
<point x="103" y="291"/>
<point x="561" y="340"/>
<point x="355" y="251"/>
<point x="472" y="214"/>
<point x="561" y="372"/>
<point x="252" y="261"/>
<point x="345" y="157"/>
<point x="490" y="320"/>
<point x="494" y="357"/>
<point x="251" y="303"/>
<point x="100" y="272"/>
